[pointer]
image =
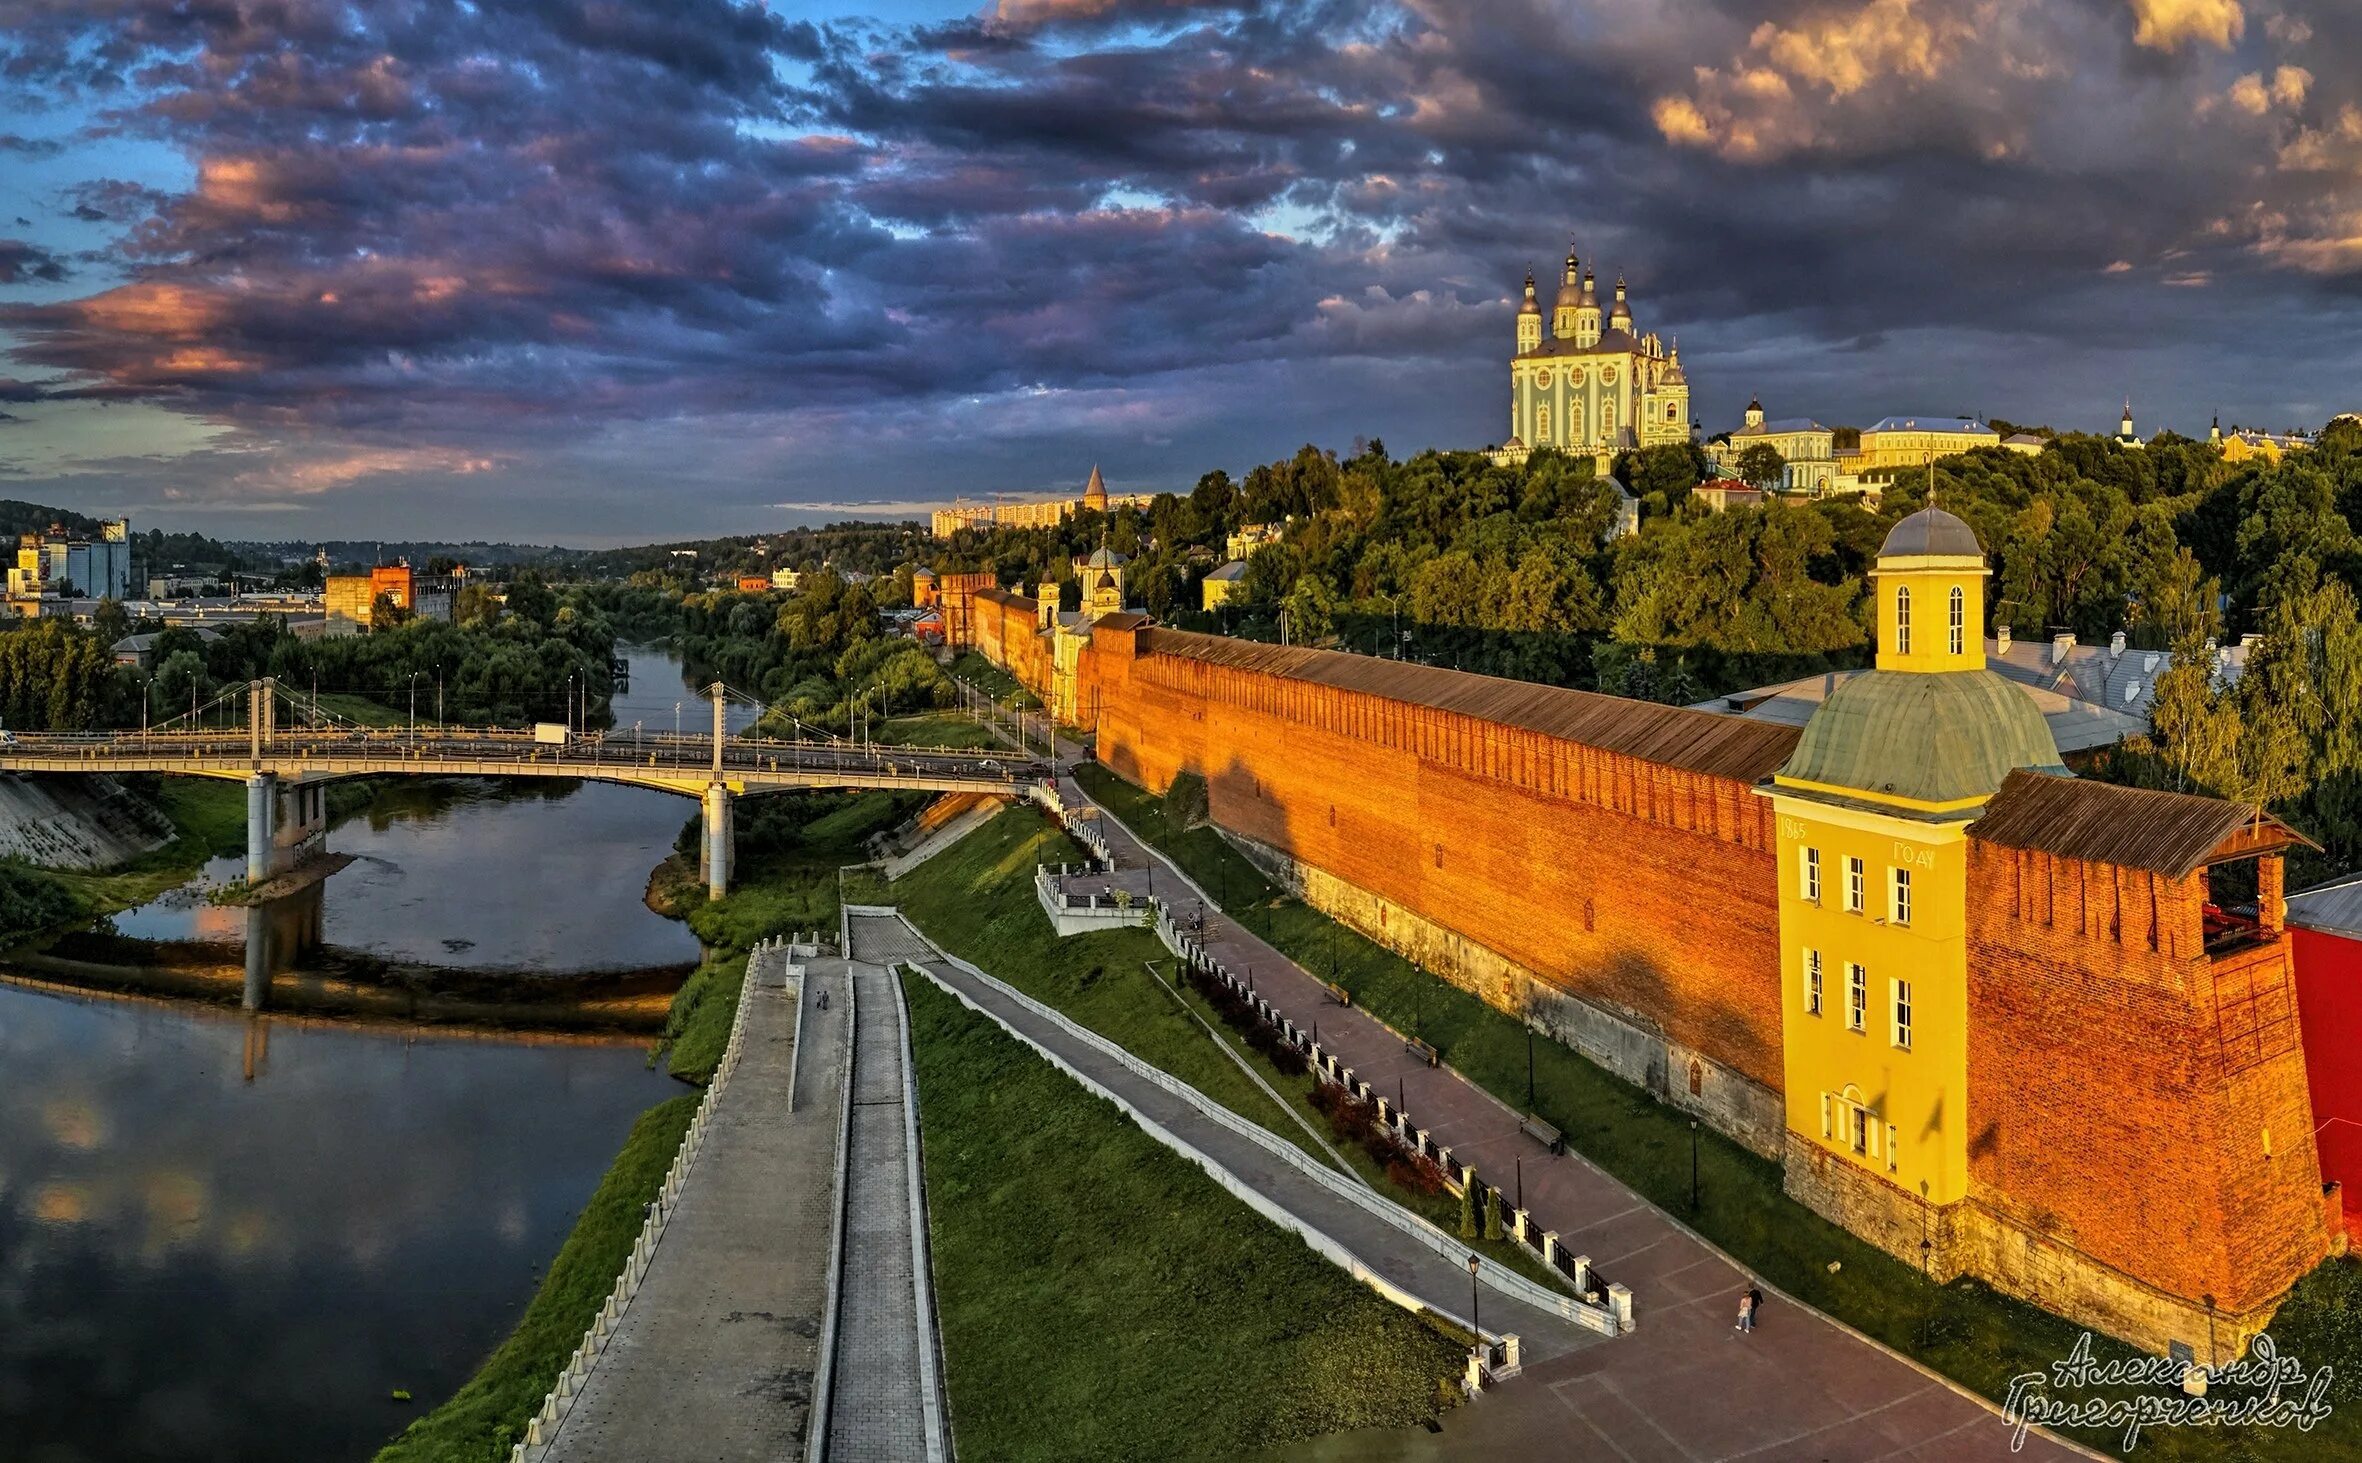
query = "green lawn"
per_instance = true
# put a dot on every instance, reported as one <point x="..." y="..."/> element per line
<point x="952" y="729"/>
<point x="1161" y="1319"/>
<point x="976" y="900"/>
<point x="972" y="667"/>
<point x="487" y="1417"/>
<point x="1964" y="1330"/>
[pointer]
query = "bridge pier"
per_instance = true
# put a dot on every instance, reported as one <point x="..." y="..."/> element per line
<point x="713" y="863"/>
<point x="262" y="815"/>
<point x="283" y="827"/>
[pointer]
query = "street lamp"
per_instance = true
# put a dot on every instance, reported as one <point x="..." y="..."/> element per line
<point x="1529" y="1066"/>
<point x="414" y="706"/>
<point x="1475" y="1317"/>
<point x="1693" y="1165"/>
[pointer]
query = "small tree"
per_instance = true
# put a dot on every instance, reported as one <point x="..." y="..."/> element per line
<point x="1762" y="465"/>
<point x="1468" y="1212"/>
<point x="1492" y="1213"/>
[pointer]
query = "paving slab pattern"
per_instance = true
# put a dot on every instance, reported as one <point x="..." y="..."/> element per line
<point x="714" y="1360"/>
<point x="878" y="1401"/>
<point x="1684" y="1385"/>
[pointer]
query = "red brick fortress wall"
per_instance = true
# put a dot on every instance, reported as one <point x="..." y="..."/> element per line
<point x="2135" y="1102"/>
<point x="1642" y="890"/>
<point x="1006" y="631"/>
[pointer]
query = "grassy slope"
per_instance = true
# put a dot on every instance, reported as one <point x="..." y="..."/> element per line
<point x="976" y="900"/>
<point x="995" y="682"/>
<point x="210" y="816"/>
<point x="936" y="729"/>
<point x="1964" y="1329"/>
<point x="1162" y="1319"/>
<point x="485" y="1419"/>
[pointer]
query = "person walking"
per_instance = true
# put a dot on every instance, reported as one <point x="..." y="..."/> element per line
<point x="1746" y="1310"/>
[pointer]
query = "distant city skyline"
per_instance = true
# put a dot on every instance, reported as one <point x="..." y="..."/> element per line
<point x="663" y="271"/>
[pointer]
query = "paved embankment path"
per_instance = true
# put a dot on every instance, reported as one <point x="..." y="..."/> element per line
<point x="714" y="1359"/>
<point x="1433" y="1272"/>
<point x="885" y="1403"/>
<point x="1684" y="1385"/>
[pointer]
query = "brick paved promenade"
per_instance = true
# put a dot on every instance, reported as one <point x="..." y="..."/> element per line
<point x="714" y="1359"/>
<point x="884" y="1403"/>
<point x="1683" y="1386"/>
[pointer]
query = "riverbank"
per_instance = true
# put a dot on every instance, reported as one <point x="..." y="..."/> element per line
<point x="486" y="1418"/>
<point x="354" y="986"/>
<point x="790" y="847"/>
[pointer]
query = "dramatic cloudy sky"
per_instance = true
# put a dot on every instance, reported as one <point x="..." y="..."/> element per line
<point x="590" y="270"/>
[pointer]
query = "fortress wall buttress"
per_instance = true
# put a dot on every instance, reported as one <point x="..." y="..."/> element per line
<point x="1627" y="907"/>
<point x="2141" y="1135"/>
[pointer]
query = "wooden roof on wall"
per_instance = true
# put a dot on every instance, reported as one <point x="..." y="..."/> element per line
<point x="1694" y="741"/>
<point x="2167" y="833"/>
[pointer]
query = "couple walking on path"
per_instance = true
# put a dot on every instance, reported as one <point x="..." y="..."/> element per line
<point x="1750" y="1302"/>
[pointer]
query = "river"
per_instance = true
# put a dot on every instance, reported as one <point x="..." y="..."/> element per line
<point x="231" y="1235"/>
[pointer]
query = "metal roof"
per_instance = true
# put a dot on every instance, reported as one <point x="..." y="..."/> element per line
<point x="1931" y="424"/>
<point x="1930" y="736"/>
<point x="2076" y="725"/>
<point x="1694" y="741"/>
<point x="2332" y="908"/>
<point x="1121" y="620"/>
<point x="1932" y="531"/>
<point x="1235" y="569"/>
<point x="2167" y="833"/>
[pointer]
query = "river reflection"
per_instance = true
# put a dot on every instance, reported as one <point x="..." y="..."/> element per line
<point x="229" y="1236"/>
<point x="196" y="1264"/>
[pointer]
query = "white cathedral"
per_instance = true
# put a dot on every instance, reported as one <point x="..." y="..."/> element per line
<point x="1582" y="387"/>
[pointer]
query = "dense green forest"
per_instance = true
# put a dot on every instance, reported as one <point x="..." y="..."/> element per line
<point x="823" y="654"/>
<point x="504" y="666"/>
<point x="1451" y="559"/>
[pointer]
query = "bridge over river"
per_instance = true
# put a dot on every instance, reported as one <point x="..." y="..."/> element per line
<point x="284" y="764"/>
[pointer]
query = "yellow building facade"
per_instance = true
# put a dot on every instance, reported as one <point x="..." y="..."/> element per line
<point x="1911" y="441"/>
<point x="1873" y="814"/>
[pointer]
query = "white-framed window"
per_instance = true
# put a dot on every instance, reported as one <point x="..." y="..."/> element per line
<point x="1856" y="877"/>
<point x="1809" y="874"/>
<point x="1857" y="996"/>
<point x="1959" y="621"/>
<point x="1812" y="982"/>
<point x="1860" y="1123"/>
<point x="1902" y="1014"/>
<point x="1898" y="896"/>
<point x="1541" y="425"/>
<point x="1902" y="619"/>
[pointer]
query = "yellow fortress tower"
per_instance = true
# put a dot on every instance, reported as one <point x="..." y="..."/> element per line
<point x="1873" y="810"/>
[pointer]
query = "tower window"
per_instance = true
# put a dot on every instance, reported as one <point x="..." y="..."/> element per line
<point x="1903" y="620"/>
<point x="1541" y="425"/>
<point x="1855" y="878"/>
<point x="1898" y="897"/>
<point x="1810" y="887"/>
<point x="1902" y="1023"/>
<point x="1959" y="621"/>
<point x="1812" y="982"/>
<point x="1857" y="997"/>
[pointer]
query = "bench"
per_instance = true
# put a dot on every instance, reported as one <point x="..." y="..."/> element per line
<point x="1421" y="1050"/>
<point x="1339" y="994"/>
<point x="1542" y="1133"/>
